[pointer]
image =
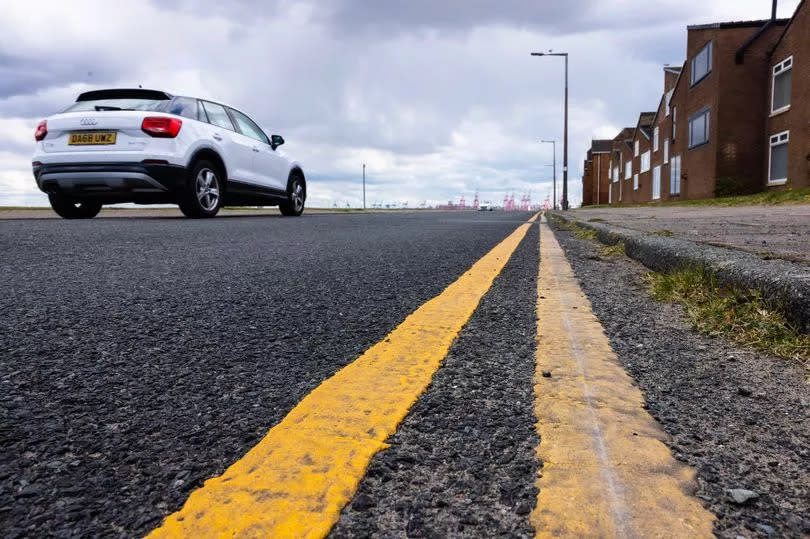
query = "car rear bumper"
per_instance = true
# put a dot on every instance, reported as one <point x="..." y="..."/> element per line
<point x="111" y="181"/>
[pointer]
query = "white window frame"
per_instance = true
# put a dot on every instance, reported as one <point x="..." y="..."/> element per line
<point x="778" y="139"/>
<point x="628" y="170"/>
<point x="615" y="173"/>
<point x="707" y="112"/>
<point x="635" y="182"/>
<point x="780" y="69"/>
<point x="694" y="80"/>
<point x="668" y="99"/>
<point x="656" y="173"/>
<point x="655" y="139"/>
<point x="635" y="148"/>
<point x="675" y="176"/>
<point x="666" y="151"/>
<point x="645" y="161"/>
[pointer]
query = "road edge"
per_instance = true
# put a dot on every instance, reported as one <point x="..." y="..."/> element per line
<point x="783" y="284"/>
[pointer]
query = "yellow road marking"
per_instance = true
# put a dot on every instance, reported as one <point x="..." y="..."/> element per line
<point x="297" y="479"/>
<point x="606" y="471"/>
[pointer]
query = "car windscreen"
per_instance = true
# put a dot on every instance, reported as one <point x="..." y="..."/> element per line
<point x="96" y="105"/>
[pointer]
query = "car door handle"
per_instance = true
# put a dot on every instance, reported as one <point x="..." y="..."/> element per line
<point x="217" y="137"/>
<point x="255" y="149"/>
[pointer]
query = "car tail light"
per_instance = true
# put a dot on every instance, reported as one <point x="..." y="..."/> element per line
<point x="42" y="130"/>
<point x="160" y="126"/>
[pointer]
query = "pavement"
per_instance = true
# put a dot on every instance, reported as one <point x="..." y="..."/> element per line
<point x="781" y="231"/>
<point x="370" y="375"/>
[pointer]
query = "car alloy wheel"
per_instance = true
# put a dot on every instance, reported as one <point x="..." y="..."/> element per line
<point x="207" y="188"/>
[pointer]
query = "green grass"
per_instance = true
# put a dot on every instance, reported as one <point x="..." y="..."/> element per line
<point x="612" y="250"/>
<point x="743" y="317"/>
<point x="596" y="220"/>
<point x="666" y="233"/>
<point x="766" y="198"/>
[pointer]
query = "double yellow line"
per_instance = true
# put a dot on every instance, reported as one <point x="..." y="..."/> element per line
<point x="606" y="470"/>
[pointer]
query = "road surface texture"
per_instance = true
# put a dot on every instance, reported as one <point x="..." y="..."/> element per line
<point x="740" y="418"/>
<point x="141" y="356"/>
<point x="770" y="231"/>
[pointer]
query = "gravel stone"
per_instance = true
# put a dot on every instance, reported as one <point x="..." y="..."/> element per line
<point x="146" y="355"/>
<point x="463" y="462"/>
<point x="690" y="383"/>
<point x="741" y="495"/>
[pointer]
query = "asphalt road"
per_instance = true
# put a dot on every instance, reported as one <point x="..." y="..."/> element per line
<point x="141" y="356"/>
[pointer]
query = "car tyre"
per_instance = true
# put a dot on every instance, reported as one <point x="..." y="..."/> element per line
<point x="296" y="196"/>
<point x="69" y="208"/>
<point x="201" y="196"/>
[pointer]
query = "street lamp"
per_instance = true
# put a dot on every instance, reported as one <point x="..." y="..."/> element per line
<point x="554" y="164"/>
<point x="565" y="132"/>
<point x="364" y="186"/>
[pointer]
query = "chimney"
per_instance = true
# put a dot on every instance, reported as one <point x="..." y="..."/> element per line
<point x="773" y="10"/>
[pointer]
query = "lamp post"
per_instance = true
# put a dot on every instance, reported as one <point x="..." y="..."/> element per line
<point x="565" y="128"/>
<point x="364" y="186"/>
<point x="554" y="172"/>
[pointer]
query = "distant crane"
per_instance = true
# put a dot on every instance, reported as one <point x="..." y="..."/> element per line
<point x="475" y="202"/>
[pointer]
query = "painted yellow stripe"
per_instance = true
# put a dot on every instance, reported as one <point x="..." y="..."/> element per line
<point x="606" y="471"/>
<point x="297" y="479"/>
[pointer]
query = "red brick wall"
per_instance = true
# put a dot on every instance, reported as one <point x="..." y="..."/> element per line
<point x="587" y="183"/>
<point x="743" y="89"/>
<point x="699" y="163"/>
<point x="663" y="123"/>
<point x="599" y="166"/>
<point x="796" y="42"/>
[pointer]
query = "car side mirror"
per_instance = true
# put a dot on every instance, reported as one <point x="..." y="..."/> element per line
<point x="276" y="141"/>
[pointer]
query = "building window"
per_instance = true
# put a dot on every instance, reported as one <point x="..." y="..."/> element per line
<point x="645" y="161"/>
<point x="668" y="99"/>
<point x="656" y="183"/>
<point x="778" y="160"/>
<point x="699" y="128"/>
<point x="675" y="175"/>
<point x="635" y="150"/>
<point x="701" y="64"/>
<point x="674" y="120"/>
<point x="782" y="74"/>
<point x="615" y="174"/>
<point x="628" y="170"/>
<point x="635" y="182"/>
<point x="655" y="139"/>
<point x="666" y="151"/>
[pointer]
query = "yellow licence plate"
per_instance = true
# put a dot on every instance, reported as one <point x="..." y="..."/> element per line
<point x="91" y="137"/>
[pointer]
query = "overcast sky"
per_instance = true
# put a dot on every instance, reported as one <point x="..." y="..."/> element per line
<point x="440" y="98"/>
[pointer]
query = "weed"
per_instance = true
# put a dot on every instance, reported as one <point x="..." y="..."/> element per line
<point x="743" y="317"/>
<point x="612" y="250"/>
<point x="666" y="233"/>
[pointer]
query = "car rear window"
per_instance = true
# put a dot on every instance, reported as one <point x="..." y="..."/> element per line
<point x="118" y="104"/>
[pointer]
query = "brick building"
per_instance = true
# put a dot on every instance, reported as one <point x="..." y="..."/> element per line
<point x="595" y="180"/>
<point x="620" y="152"/>
<point x="735" y="119"/>
<point x="638" y="176"/>
<point x="787" y="130"/>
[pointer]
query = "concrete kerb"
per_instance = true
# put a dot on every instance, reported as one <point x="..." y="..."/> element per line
<point x="782" y="284"/>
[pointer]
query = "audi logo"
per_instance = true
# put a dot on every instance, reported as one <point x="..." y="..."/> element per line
<point x="88" y="121"/>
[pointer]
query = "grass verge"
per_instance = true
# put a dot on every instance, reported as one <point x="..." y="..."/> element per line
<point x="743" y="317"/>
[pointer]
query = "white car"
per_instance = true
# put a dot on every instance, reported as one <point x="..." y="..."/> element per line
<point x="150" y="147"/>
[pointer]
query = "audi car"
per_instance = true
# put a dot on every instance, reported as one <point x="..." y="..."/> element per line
<point x="151" y="147"/>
